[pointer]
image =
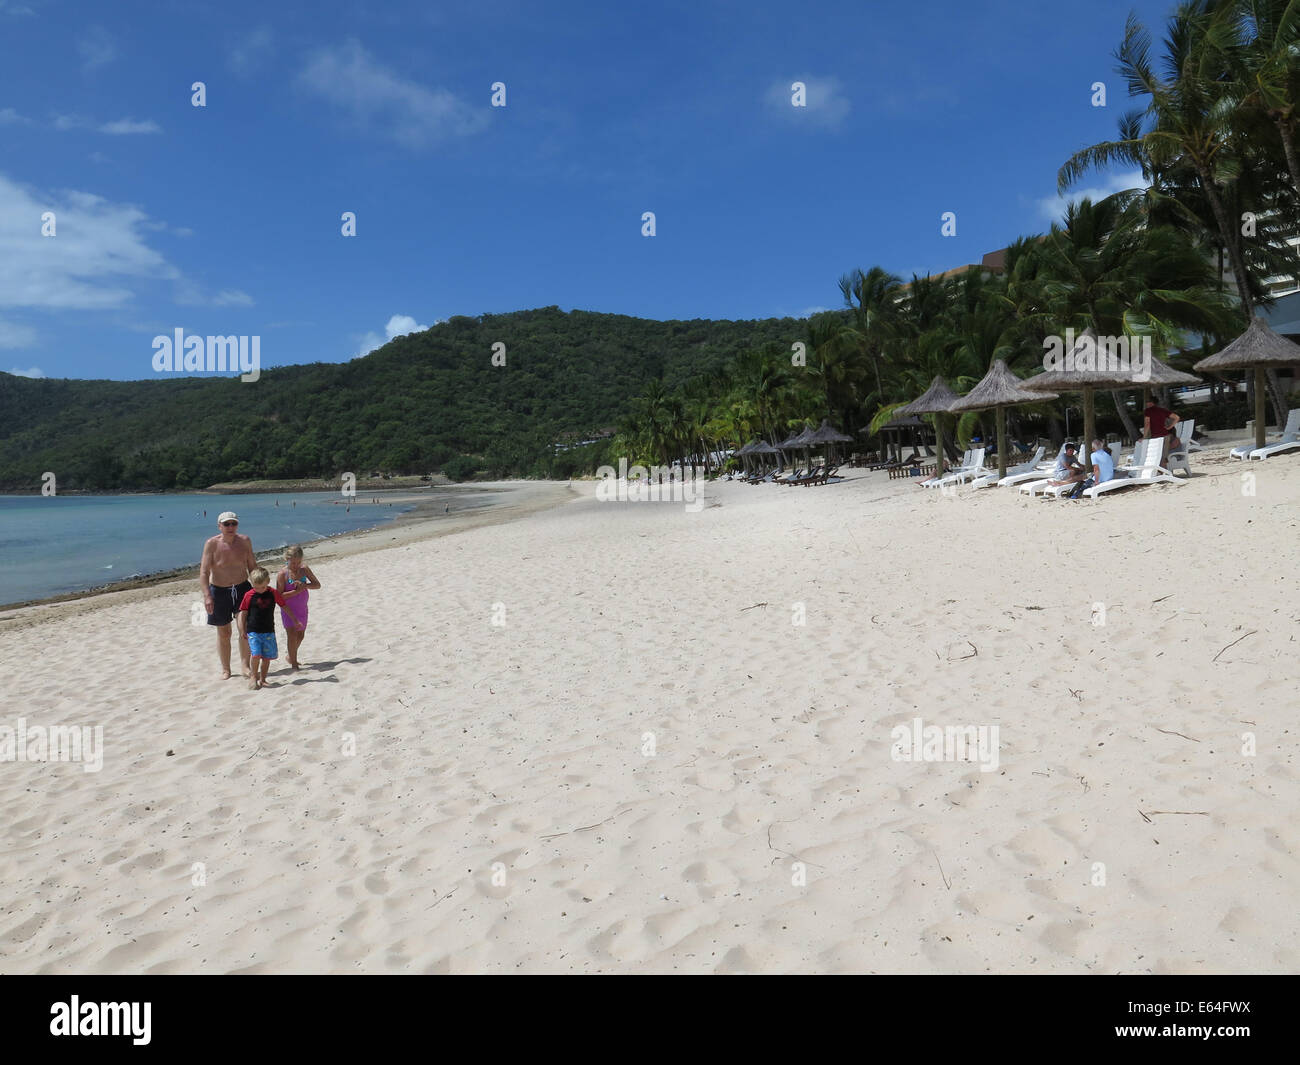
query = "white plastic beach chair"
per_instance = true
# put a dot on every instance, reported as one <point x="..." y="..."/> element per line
<point x="1028" y="467"/>
<point x="1184" y="431"/>
<point x="1150" y="472"/>
<point x="1178" y="459"/>
<point x="1290" y="439"/>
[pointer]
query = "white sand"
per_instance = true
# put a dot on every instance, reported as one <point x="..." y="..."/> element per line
<point x="499" y="813"/>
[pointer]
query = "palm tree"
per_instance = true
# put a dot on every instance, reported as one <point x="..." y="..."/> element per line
<point x="1185" y="121"/>
<point x="1265" y="61"/>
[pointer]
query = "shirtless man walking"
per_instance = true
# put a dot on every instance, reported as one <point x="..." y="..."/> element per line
<point x="223" y="574"/>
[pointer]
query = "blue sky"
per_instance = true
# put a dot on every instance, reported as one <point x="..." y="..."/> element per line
<point x="226" y="219"/>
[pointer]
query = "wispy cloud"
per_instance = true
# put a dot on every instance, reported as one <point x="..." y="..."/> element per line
<point x="97" y="48"/>
<point x="824" y="104"/>
<point x="372" y="96"/>
<point x="189" y="294"/>
<point x="98" y="248"/>
<point x="1052" y="208"/>
<point x="251" y="51"/>
<point x="126" y="126"/>
<point x="398" y="325"/>
<point x="12" y="7"/>
<point x="117" y="128"/>
<point x="31" y="371"/>
<point x="10" y="117"/>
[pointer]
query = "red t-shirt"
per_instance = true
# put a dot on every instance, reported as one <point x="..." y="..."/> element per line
<point x="1155" y="419"/>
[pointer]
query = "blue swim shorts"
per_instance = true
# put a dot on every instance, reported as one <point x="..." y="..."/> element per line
<point x="262" y="645"/>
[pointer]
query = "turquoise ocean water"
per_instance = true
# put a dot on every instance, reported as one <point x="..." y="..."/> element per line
<point x="50" y="545"/>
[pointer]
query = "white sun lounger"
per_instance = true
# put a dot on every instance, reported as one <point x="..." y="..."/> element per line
<point x="1290" y="439"/>
<point x="1150" y="472"/>
<point x="1029" y="467"/>
<point x="1290" y="434"/>
<point x="972" y="465"/>
<point x="930" y="482"/>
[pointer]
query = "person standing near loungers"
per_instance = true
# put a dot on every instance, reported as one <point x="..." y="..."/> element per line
<point x="223" y="573"/>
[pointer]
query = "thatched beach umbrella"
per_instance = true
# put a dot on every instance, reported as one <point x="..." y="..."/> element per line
<point x="791" y="442"/>
<point x="936" y="400"/>
<point x="1000" y="389"/>
<point x="1087" y="381"/>
<point x="1261" y="348"/>
<point x="825" y="434"/>
<point x="743" y="453"/>
<point x="762" y="447"/>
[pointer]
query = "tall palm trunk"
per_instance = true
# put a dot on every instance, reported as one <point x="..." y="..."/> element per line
<point x="1288" y="148"/>
<point x="1238" y="263"/>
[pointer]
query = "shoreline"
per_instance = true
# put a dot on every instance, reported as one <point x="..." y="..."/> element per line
<point x="421" y="522"/>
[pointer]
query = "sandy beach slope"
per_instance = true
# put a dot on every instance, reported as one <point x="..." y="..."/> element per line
<point x="648" y="765"/>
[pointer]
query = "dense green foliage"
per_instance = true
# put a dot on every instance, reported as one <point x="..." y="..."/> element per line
<point x="426" y="402"/>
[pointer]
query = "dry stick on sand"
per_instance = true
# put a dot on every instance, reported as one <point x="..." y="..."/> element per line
<point x="946" y="882"/>
<point x="787" y="853"/>
<point x="1188" y="813"/>
<point x="588" y="828"/>
<point x="1186" y="737"/>
<point x="1234" y="643"/>
<point x="743" y="609"/>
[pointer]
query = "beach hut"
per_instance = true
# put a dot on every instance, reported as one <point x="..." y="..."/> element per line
<point x="1101" y="378"/>
<point x="1257" y="347"/>
<point x="936" y="400"/>
<point x="891" y="437"/>
<point x="999" y="389"/>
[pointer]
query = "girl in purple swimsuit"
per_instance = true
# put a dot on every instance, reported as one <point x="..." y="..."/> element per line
<point x="294" y="583"/>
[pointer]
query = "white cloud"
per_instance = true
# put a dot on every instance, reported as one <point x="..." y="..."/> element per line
<point x="824" y="104"/>
<point x="251" y="51"/>
<point x="189" y="294"/>
<point x="31" y="371"/>
<point x="13" y="335"/>
<point x="8" y="7"/>
<point x="398" y="325"/>
<point x="374" y="97"/>
<point x="130" y="125"/>
<point x="98" y="246"/>
<point x="808" y="312"/>
<point x="1052" y="208"/>
<point x="10" y="117"/>
<point x="97" y="48"/>
<point x="118" y="127"/>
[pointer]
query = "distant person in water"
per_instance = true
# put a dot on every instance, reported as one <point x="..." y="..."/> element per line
<point x="294" y="583"/>
<point x="257" y="624"/>
<point x="223" y="574"/>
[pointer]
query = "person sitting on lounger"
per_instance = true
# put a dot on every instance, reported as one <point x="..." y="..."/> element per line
<point x="1068" y="470"/>
<point x="1103" y="469"/>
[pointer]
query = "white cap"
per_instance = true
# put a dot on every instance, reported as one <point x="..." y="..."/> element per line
<point x="227" y="515"/>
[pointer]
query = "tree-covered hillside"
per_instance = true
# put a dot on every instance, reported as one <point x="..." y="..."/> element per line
<point x="422" y="403"/>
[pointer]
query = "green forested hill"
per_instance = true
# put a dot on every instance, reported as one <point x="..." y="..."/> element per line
<point x="426" y="402"/>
